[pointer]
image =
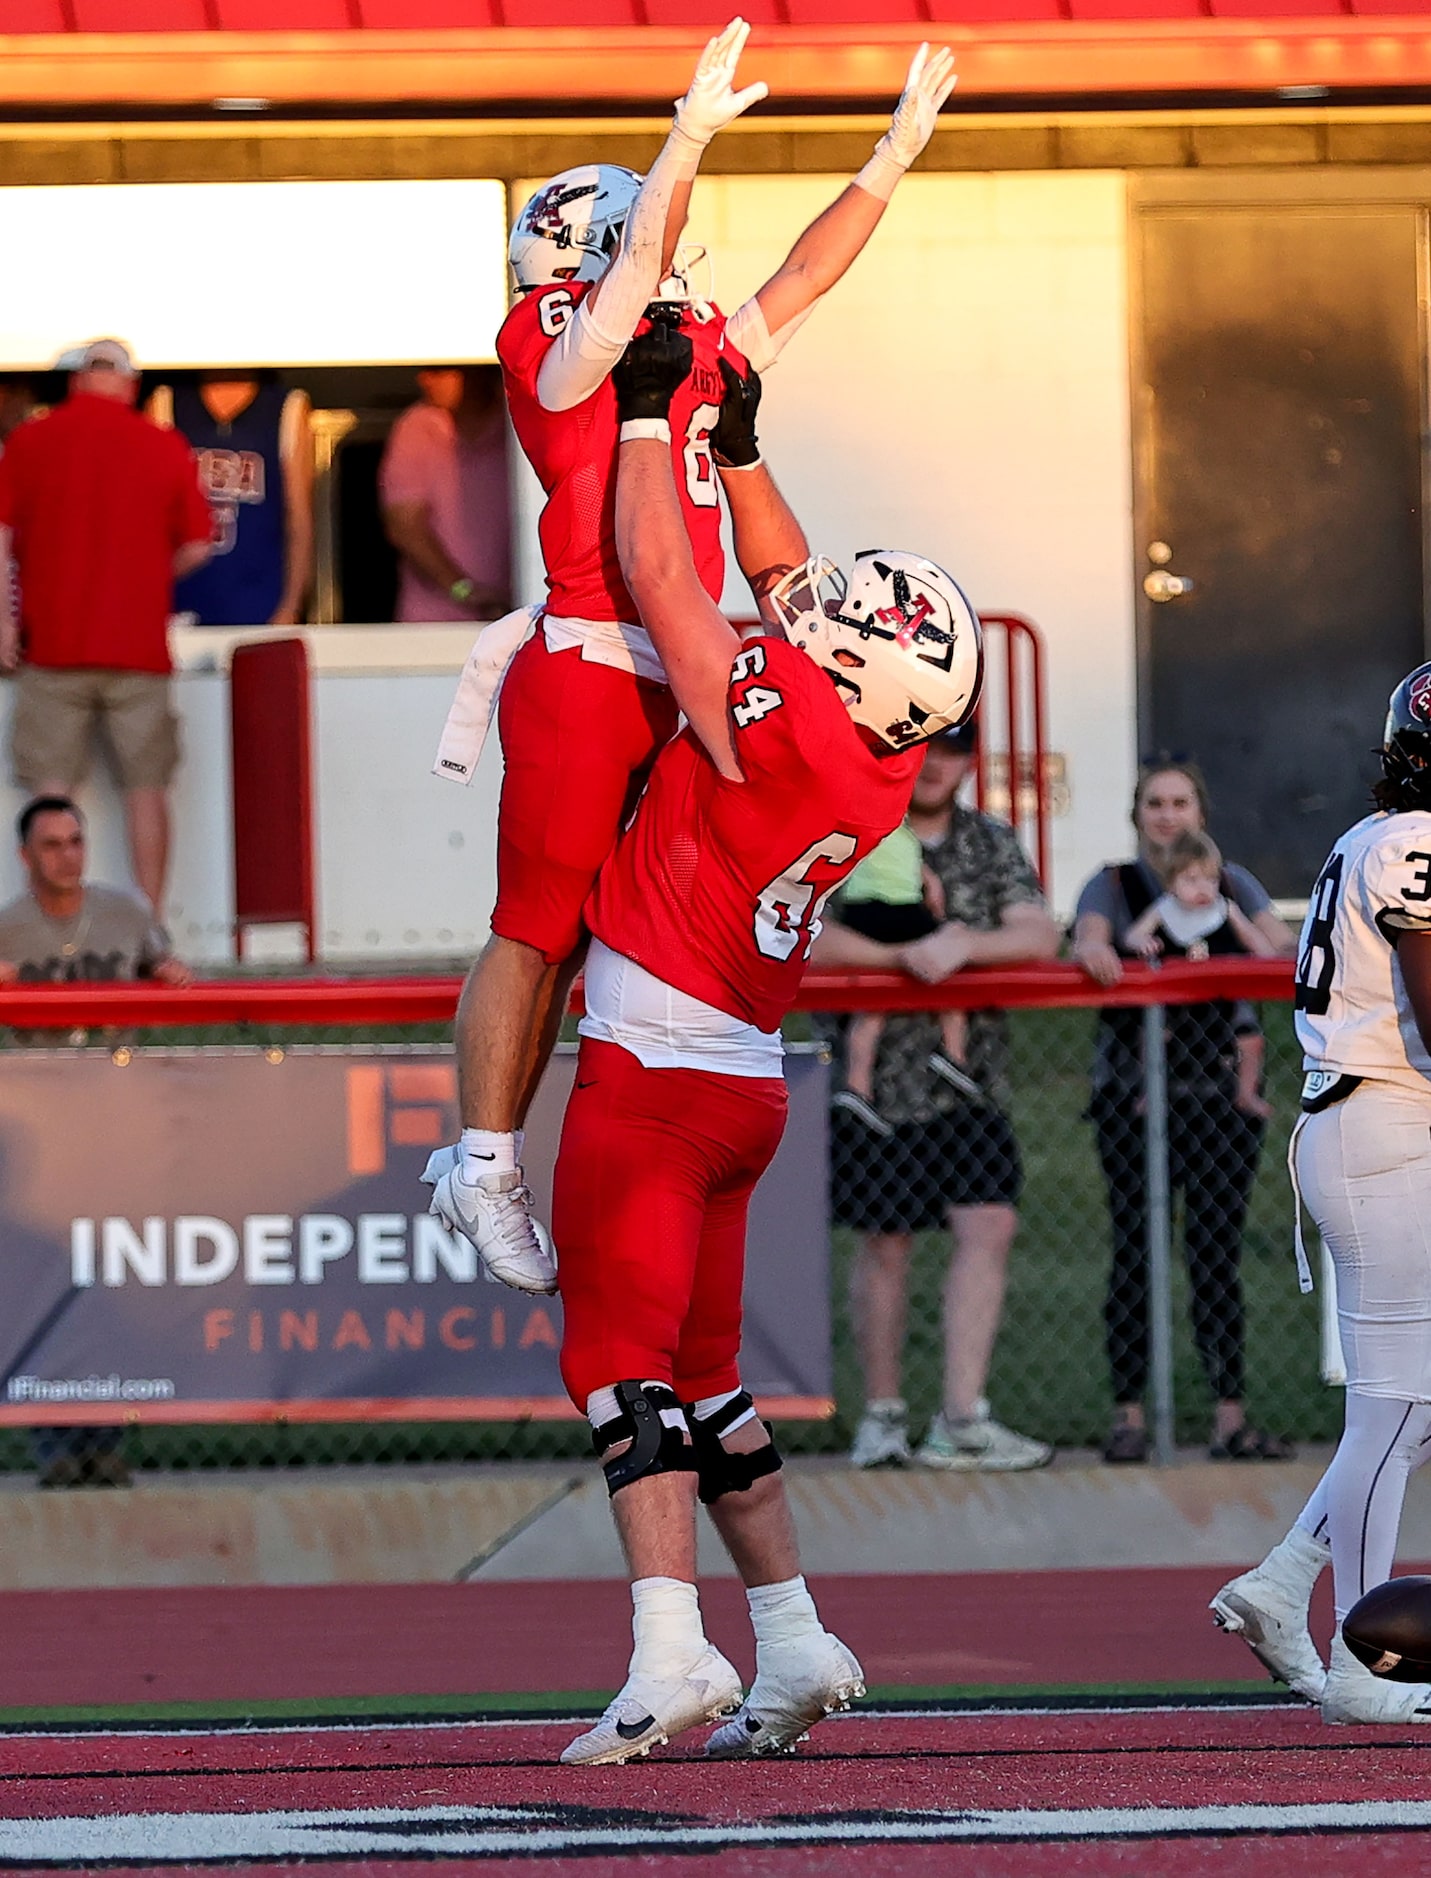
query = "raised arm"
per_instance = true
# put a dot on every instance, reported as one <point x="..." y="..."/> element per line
<point x="584" y="353"/>
<point x="696" y="643"/>
<point x="768" y="539"/>
<point x="828" y="247"/>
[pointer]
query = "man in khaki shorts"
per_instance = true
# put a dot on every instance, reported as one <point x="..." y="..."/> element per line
<point x="100" y="512"/>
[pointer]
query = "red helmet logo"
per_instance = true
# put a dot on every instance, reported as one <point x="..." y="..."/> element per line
<point x="1418" y="696"/>
<point x="543" y="216"/>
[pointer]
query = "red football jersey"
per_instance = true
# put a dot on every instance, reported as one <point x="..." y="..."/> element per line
<point x="574" y="455"/>
<point x="717" y="887"/>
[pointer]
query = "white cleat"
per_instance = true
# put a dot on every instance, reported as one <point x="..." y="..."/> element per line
<point x="797" y="1684"/>
<point x="1354" y="1695"/>
<point x="495" y="1214"/>
<point x="650" y="1709"/>
<point x="1272" y="1621"/>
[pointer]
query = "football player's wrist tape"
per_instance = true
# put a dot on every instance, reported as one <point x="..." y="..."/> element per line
<point x="642" y="429"/>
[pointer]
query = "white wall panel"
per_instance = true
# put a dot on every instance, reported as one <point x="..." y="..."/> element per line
<point x="964" y="392"/>
<point x="122" y="260"/>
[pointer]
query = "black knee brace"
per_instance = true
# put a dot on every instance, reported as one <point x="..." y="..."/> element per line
<point x="718" y="1471"/>
<point x="656" y="1447"/>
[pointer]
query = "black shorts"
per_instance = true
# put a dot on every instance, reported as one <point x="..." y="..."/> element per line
<point x="907" y="1182"/>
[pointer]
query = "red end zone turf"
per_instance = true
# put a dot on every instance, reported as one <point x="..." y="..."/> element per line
<point x="299" y="1643"/>
<point x="1257" y="1790"/>
<point x="1107" y="1791"/>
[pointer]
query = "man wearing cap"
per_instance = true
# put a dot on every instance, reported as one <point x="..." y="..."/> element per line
<point x="100" y="512"/>
<point x="934" y="1147"/>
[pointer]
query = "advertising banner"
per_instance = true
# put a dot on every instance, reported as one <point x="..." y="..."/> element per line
<point x="228" y="1236"/>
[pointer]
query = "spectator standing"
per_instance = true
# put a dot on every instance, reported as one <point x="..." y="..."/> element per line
<point x="1216" y="1121"/>
<point x="100" y="511"/>
<point x="443" y="484"/>
<point x="17" y="402"/>
<point x="254" y="442"/>
<point x="942" y="1157"/>
<point x="61" y="930"/>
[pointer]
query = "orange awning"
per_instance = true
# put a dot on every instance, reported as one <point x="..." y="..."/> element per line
<point x="85" y="55"/>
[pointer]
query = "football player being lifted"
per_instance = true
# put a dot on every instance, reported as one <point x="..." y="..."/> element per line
<point x="1361" y="1161"/>
<point x="585" y="704"/>
<point x="798" y="758"/>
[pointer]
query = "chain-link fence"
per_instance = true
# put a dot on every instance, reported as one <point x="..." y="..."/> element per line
<point x="1054" y="1125"/>
<point x="1079" y="1330"/>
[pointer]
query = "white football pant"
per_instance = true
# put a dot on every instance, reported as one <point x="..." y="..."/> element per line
<point x="1364" y="1168"/>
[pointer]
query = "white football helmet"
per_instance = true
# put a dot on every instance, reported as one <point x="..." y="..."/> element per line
<point x="899" y="639"/>
<point x="570" y="228"/>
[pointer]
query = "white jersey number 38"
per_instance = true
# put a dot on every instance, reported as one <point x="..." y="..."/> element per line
<point x="787" y="914"/>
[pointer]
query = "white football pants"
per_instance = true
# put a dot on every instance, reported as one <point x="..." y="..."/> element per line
<point x="1364" y="1168"/>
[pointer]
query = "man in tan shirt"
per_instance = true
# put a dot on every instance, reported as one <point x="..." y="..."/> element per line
<point x="62" y="930"/>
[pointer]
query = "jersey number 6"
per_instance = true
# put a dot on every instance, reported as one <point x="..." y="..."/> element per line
<point x="787" y="913"/>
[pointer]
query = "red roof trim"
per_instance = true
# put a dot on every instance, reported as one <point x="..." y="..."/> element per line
<point x="648" y="65"/>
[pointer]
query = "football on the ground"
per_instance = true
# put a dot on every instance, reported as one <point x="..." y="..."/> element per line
<point x="1390" y="1630"/>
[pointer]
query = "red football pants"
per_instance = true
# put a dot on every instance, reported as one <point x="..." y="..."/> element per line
<point x="578" y="741"/>
<point x="653" y="1183"/>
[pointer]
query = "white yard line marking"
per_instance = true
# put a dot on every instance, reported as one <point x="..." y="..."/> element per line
<point x="501" y="1832"/>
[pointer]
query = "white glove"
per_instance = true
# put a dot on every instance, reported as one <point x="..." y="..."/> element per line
<point x="711" y="104"/>
<point x="929" y="83"/>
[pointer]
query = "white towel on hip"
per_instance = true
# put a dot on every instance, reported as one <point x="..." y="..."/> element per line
<point x="475" y="701"/>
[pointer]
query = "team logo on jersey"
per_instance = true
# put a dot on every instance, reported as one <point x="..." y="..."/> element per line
<point x="1418" y="698"/>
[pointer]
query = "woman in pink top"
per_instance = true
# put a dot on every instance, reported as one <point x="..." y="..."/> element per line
<point x="445" y="501"/>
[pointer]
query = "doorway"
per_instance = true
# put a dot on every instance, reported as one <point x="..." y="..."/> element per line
<point x="1279" y="545"/>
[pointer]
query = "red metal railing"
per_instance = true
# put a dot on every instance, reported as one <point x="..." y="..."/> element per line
<point x="361" y="1001"/>
<point x="1023" y="731"/>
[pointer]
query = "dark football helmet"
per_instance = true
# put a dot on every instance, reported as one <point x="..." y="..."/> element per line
<point x="1406" y="741"/>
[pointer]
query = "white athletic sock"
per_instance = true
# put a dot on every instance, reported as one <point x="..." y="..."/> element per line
<point x="486" y="1152"/>
<point x="781" y="1613"/>
<point x="1384" y="1442"/>
<point x="666" y="1627"/>
<point x="1298" y="1560"/>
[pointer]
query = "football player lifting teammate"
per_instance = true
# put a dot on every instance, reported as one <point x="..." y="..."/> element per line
<point x="798" y="758"/>
<point x="1361" y="1160"/>
<point x="585" y="704"/>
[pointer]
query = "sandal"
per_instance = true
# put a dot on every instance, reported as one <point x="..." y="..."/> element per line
<point x="1126" y="1445"/>
<point x="1252" y="1444"/>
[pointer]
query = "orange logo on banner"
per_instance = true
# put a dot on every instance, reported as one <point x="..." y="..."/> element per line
<point x="404" y="1105"/>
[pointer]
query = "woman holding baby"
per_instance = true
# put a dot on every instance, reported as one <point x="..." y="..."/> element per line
<point x="1178" y="899"/>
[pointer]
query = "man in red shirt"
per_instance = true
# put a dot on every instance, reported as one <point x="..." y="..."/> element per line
<point x="585" y="706"/>
<point x="798" y="759"/>
<point x="100" y="512"/>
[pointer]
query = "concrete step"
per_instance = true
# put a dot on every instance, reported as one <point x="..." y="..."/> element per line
<point x="551" y="1521"/>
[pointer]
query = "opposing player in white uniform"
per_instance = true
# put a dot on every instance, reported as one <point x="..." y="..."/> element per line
<point x="1362" y="1164"/>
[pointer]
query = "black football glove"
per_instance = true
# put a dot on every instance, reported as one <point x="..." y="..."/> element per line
<point x="734" y="440"/>
<point x="649" y="372"/>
